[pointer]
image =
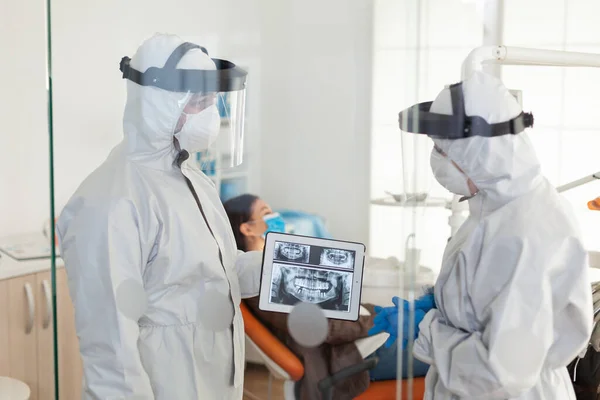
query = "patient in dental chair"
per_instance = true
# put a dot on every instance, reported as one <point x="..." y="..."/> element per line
<point x="246" y="213"/>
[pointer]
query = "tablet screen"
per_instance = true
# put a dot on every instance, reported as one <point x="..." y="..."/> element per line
<point x="324" y="272"/>
<point x="312" y="274"/>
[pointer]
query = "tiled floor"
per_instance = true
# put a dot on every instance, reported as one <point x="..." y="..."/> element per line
<point x="256" y="384"/>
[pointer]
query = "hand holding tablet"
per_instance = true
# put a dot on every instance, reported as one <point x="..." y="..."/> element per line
<point x="324" y="272"/>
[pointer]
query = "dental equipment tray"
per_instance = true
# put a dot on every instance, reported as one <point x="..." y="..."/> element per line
<point x="324" y="272"/>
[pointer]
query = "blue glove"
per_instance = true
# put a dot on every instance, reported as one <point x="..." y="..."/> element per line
<point x="386" y="319"/>
<point x="424" y="303"/>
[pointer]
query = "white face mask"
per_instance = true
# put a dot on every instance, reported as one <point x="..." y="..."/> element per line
<point x="448" y="175"/>
<point x="200" y="130"/>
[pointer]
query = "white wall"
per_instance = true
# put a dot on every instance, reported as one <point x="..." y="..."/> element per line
<point x="564" y="101"/>
<point x="24" y="171"/>
<point x="89" y="91"/>
<point x="412" y="63"/>
<point x="418" y="48"/>
<point x="307" y="107"/>
<point x="89" y="38"/>
<point x="316" y="110"/>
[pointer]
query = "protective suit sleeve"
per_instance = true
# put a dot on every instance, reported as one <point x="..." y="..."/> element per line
<point x="576" y="317"/>
<point x="512" y="298"/>
<point x="249" y="267"/>
<point x="102" y="249"/>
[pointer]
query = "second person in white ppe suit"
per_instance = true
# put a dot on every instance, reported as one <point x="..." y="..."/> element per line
<point x="513" y="299"/>
<point x="151" y="260"/>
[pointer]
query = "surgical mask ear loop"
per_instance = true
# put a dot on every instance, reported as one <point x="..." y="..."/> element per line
<point x="575" y="369"/>
<point x="182" y="104"/>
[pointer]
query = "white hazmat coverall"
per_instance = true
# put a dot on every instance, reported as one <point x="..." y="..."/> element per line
<point x="157" y="311"/>
<point x="514" y="304"/>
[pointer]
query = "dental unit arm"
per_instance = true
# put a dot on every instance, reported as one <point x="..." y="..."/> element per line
<point x="593" y="205"/>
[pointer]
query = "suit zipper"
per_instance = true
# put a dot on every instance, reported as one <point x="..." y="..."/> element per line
<point x="180" y="159"/>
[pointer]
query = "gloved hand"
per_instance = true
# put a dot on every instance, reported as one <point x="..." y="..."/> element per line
<point x="424" y="303"/>
<point x="386" y="318"/>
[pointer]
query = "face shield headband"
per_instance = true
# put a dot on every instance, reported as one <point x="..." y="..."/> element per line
<point x="226" y="78"/>
<point x="418" y="119"/>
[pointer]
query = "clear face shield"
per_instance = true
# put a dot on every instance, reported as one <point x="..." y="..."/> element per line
<point x="210" y="127"/>
<point x="224" y="147"/>
<point x="454" y="138"/>
<point x="441" y="141"/>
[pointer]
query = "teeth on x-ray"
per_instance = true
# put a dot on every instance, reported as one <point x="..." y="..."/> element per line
<point x="310" y="285"/>
<point x="336" y="256"/>
<point x="301" y="276"/>
<point x="291" y="251"/>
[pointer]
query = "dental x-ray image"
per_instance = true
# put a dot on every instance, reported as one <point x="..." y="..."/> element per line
<point x="292" y="252"/>
<point x="293" y="284"/>
<point x="337" y="258"/>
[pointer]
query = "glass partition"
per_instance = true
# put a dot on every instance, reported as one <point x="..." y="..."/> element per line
<point x="26" y="312"/>
<point x="180" y="135"/>
<point x="145" y="241"/>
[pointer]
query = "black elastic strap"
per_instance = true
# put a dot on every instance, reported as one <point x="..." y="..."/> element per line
<point x="128" y="72"/>
<point x="226" y="78"/>
<point x="178" y="54"/>
<point x="418" y="119"/>
<point x="458" y="100"/>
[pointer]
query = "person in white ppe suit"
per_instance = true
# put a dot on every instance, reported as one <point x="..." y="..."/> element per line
<point x="153" y="268"/>
<point x="513" y="303"/>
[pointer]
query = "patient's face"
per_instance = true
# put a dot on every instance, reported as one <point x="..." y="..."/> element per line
<point x="310" y="285"/>
<point x="256" y="226"/>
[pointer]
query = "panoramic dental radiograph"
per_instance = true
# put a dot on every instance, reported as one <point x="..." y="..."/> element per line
<point x="329" y="289"/>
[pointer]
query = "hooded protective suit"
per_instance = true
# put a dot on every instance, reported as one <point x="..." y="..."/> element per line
<point x="153" y="274"/>
<point x="513" y="296"/>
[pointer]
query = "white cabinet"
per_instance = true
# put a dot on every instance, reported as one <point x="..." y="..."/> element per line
<point x="44" y="325"/>
<point x="26" y="336"/>
<point x="22" y="332"/>
<point x="4" y="309"/>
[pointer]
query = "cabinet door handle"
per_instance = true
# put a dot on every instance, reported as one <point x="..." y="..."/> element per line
<point x="31" y="306"/>
<point x="48" y="296"/>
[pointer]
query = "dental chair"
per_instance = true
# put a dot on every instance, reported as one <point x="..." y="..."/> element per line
<point x="283" y="364"/>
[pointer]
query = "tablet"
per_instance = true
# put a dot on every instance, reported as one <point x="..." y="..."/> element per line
<point x="306" y="269"/>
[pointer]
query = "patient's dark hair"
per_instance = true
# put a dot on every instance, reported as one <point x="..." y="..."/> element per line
<point x="239" y="210"/>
